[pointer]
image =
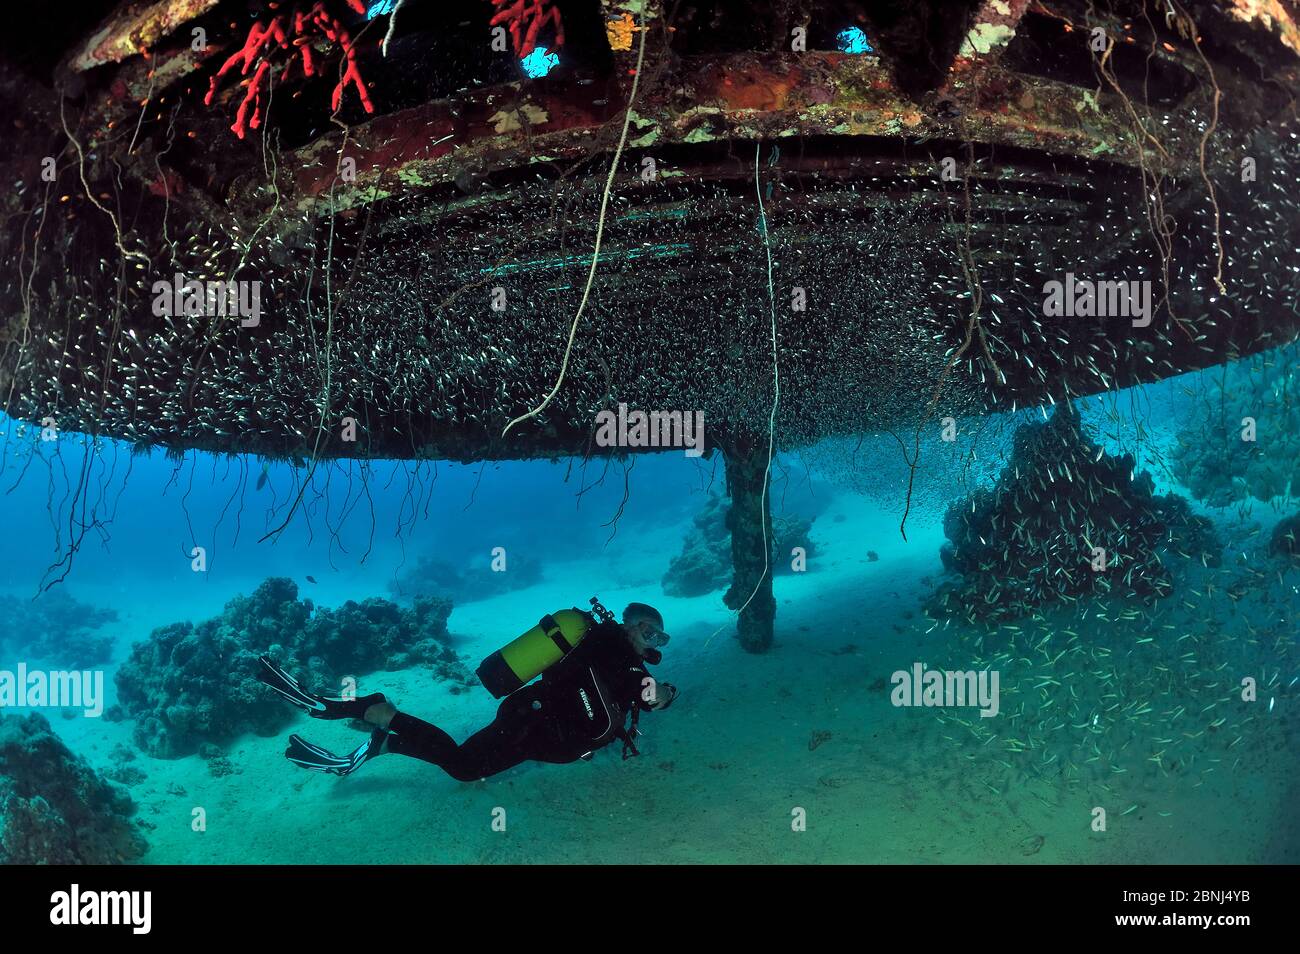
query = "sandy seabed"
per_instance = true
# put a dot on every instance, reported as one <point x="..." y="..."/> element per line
<point x="722" y="774"/>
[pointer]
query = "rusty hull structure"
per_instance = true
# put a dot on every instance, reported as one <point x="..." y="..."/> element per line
<point x="1044" y="152"/>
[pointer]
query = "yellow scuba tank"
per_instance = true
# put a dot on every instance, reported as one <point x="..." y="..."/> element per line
<point x="534" y="652"/>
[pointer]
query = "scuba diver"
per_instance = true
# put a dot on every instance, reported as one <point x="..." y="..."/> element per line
<point x="593" y="680"/>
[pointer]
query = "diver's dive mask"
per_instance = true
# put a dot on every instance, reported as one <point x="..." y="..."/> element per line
<point x="653" y="637"/>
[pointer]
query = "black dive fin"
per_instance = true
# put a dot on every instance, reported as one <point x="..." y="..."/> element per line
<point x="302" y="752"/>
<point x="318" y="707"/>
<point x="309" y="756"/>
<point x="283" y="683"/>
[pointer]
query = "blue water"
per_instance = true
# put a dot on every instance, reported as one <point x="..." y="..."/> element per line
<point x="755" y="740"/>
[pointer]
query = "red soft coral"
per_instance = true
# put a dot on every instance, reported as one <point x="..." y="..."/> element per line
<point x="265" y="39"/>
<point x="525" y="19"/>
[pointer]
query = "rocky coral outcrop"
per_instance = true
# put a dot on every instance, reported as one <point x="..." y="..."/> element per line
<point x="705" y="563"/>
<point x="1243" y="439"/>
<point x="54" y="808"/>
<point x="58" y="629"/>
<point x="467" y="580"/>
<point x="1064" y="520"/>
<point x="189" y="684"/>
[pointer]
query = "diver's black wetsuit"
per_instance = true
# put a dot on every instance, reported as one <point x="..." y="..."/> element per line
<point x="579" y="705"/>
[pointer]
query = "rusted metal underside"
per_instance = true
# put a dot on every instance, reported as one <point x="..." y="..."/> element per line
<point x="498" y="186"/>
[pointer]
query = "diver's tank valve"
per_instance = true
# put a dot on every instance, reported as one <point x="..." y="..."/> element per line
<point x="597" y="610"/>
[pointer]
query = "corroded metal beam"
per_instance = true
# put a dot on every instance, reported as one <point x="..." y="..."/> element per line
<point x="139" y="83"/>
<point x="132" y="29"/>
<point x="740" y="96"/>
<point x="992" y="28"/>
<point x="1273" y="15"/>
